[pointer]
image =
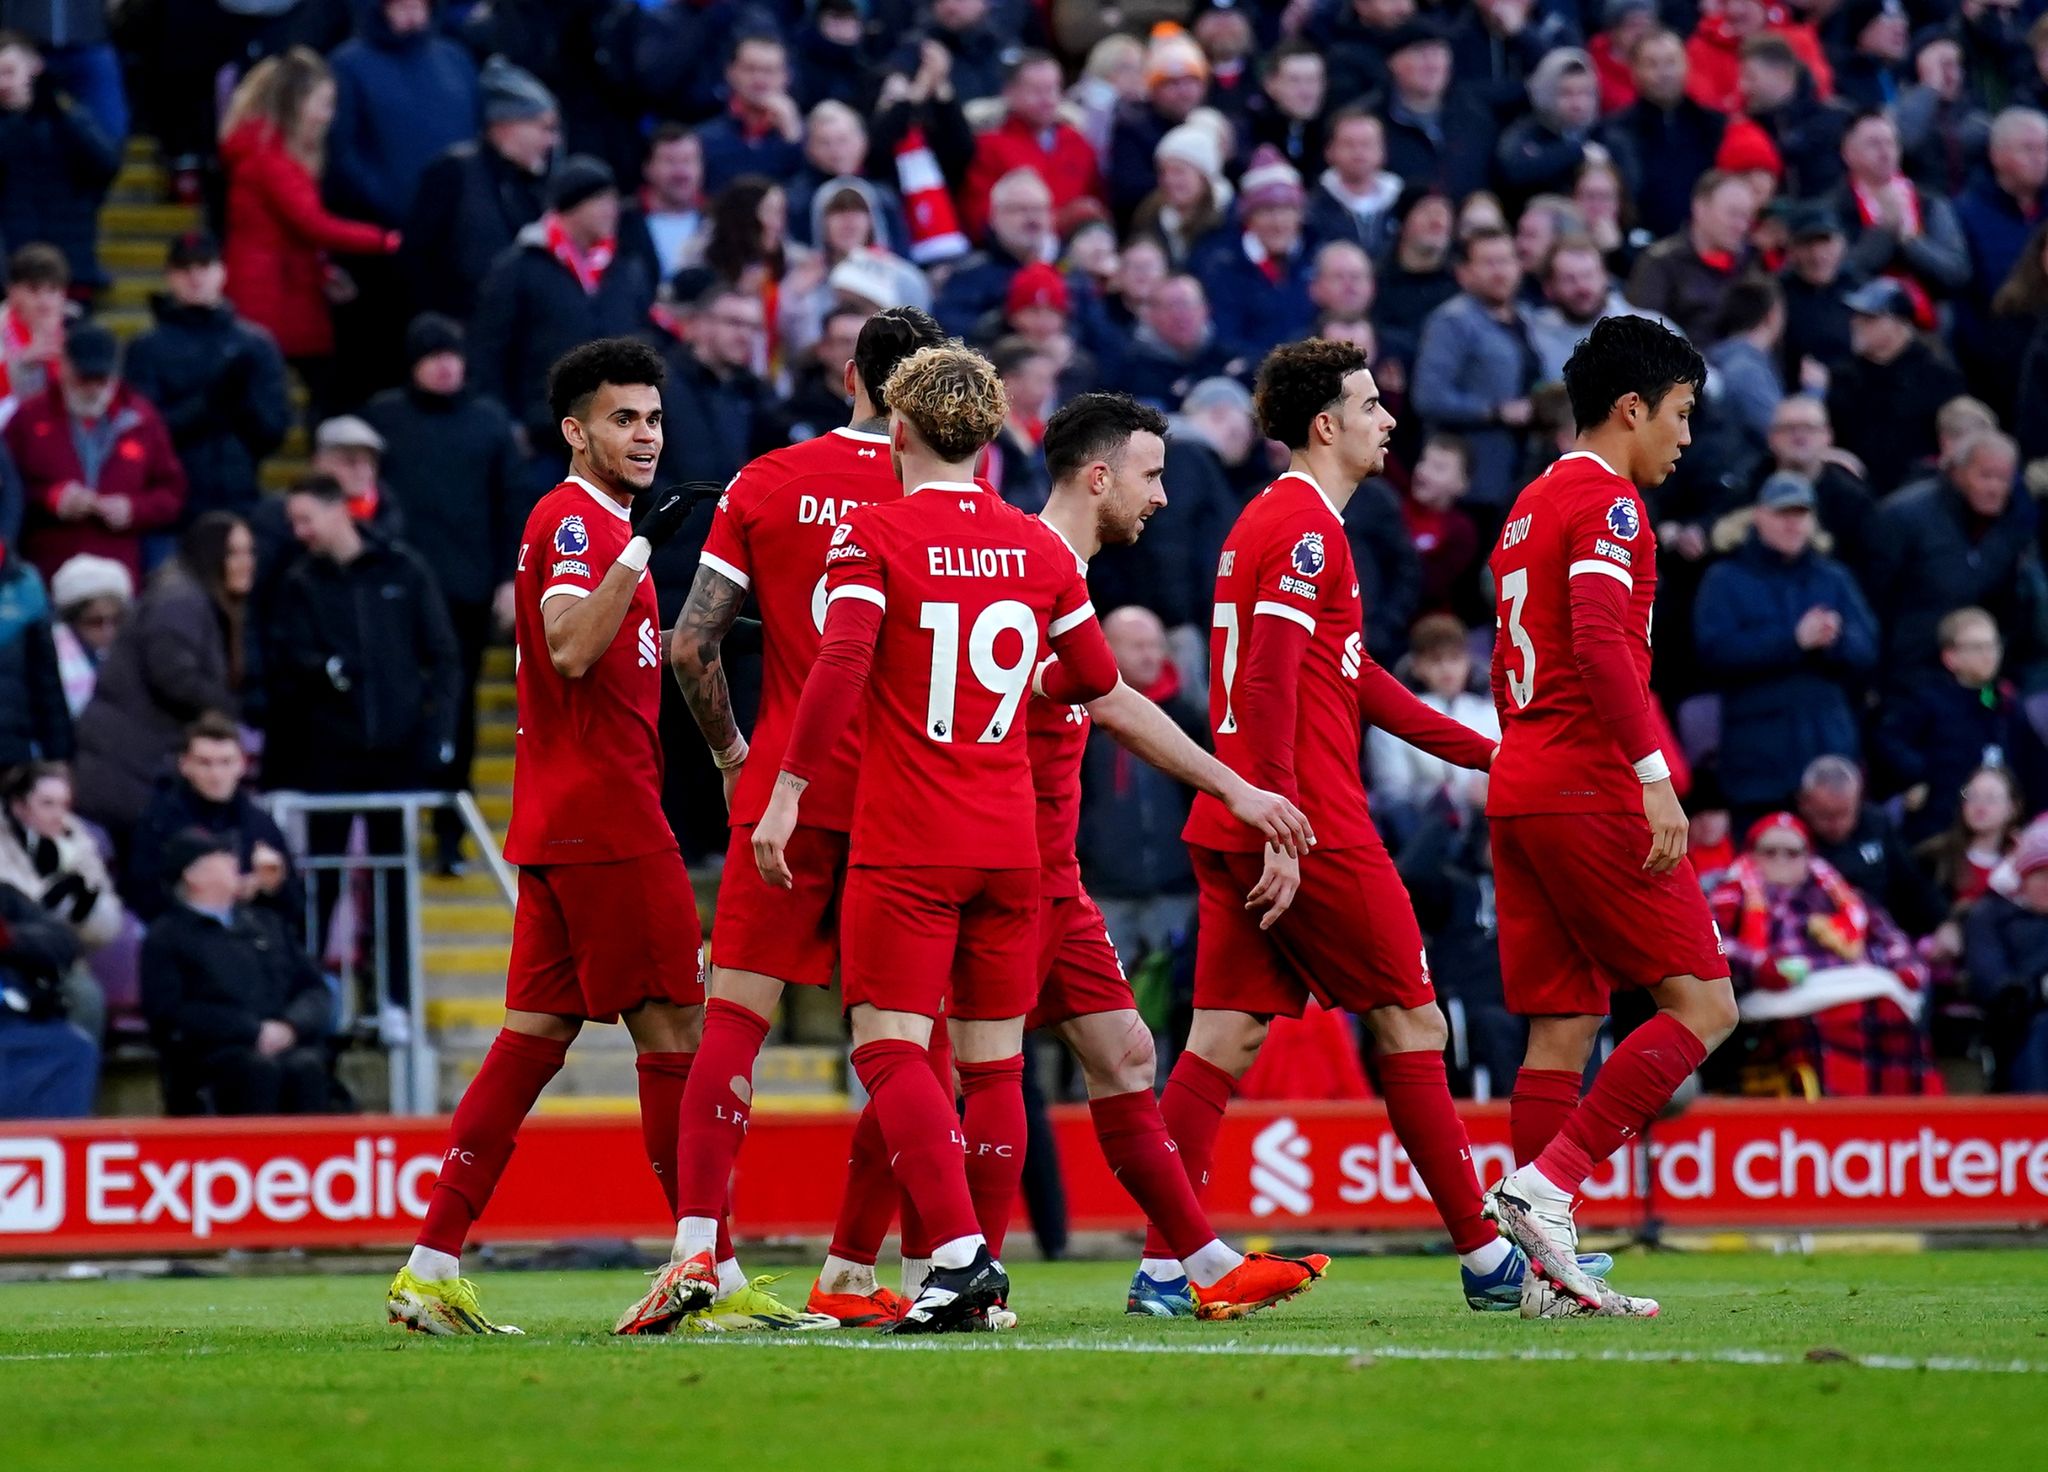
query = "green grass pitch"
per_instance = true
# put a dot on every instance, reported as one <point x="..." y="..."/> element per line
<point x="1764" y="1364"/>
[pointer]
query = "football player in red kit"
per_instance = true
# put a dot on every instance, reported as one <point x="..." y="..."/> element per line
<point x="950" y="598"/>
<point x="1591" y="879"/>
<point x="1290" y="683"/>
<point x="606" y="923"/>
<point x="768" y="538"/>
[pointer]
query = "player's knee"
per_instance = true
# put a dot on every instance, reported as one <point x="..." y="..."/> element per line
<point x="1230" y="1040"/>
<point x="1119" y="1058"/>
<point x="1409" y="1029"/>
<point x="1714" y="1014"/>
<point x="544" y="1025"/>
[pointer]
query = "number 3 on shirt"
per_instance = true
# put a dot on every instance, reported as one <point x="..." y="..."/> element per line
<point x="1514" y="588"/>
<point x="1008" y="681"/>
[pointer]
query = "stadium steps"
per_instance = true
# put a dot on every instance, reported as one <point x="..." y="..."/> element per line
<point x="136" y="228"/>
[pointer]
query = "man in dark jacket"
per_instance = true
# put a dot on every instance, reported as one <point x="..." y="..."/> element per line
<point x="1389" y="570"/>
<point x="35" y="723"/>
<point x="1961" y="540"/>
<point x="1176" y="79"/>
<point x="55" y="164"/>
<point x="761" y="131"/>
<point x="557" y="286"/>
<point x="1883" y="399"/>
<point x="1176" y="347"/>
<point x="473" y="199"/>
<point x="403" y="94"/>
<point x="1997" y="212"/>
<point x="48" y="1068"/>
<point x="1686" y="276"/>
<point x="1019" y="232"/>
<point x="1785" y="634"/>
<point x="1863" y="844"/>
<point x="208" y="794"/>
<point x="450" y="464"/>
<point x="236" y="1008"/>
<point x="1816" y="282"/>
<point x="1258" y="280"/>
<point x="1778" y="96"/>
<point x="1663" y="141"/>
<point x="1436" y="135"/>
<point x="217" y="380"/>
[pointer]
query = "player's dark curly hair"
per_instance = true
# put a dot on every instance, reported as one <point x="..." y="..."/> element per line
<point x="886" y="339"/>
<point x="1091" y="427"/>
<point x="1628" y="355"/>
<point x="579" y="373"/>
<point x="1298" y="381"/>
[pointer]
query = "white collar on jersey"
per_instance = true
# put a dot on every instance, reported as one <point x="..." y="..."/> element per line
<point x="1079" y="561"/>
<point x="621" y="512"/>
<point x="1303" y="475"/>
<point x="847" y="431"/>
<point x="1588" y="455"/>
<point x="944" y="485"/>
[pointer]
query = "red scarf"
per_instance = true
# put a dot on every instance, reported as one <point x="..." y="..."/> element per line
<point x="587" y="266"/>
<point x="1716" y="260"/>
<point x="1866" y="213"/>
<point x="1843" y="932"/>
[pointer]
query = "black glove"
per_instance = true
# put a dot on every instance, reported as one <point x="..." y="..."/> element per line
<point x="659" y="515"/>
<point x="71" y="893"/>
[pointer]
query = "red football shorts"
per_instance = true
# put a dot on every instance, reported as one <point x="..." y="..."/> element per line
<point x="789" y="934"/>
<point x="960" y="942"/>
<point x="1349" y="939"/>
<point x="1579" y="916"/>
<point x="1078" y="969"/>
<point x="595" y="940"/>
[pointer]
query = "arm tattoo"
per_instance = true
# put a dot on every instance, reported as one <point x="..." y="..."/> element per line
<point x="697" y="659"/>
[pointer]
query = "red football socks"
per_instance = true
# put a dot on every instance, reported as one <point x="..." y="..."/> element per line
<point x="993" y="1120"/>
<point x="662" y="1080"/>
<point x="1426" y="1123"/>
<point x="921" y="1133"/>
<point x="716" y="1106"/>
<point x="480" y="1138"/>
<point x="916" y="1241"/>
<point x="1544" y="1099"/>
<point x="869" y="1198"/>
<point x="1142" y="1157"/>
<point x="1633" y="1087"/>
<point x="1197" y="1093"/>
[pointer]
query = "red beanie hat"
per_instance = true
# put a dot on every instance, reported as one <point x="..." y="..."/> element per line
<point x="1746" y="146"/>
<point x="1037" y="285"/>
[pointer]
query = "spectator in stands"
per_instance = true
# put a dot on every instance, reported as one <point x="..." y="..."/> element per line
<point x="1341" y="281"/>
<point x="761" y="132"/>
<point x="1896" y="228"/>
<point x="475" y="197"/>
<point x="184" y="652"/>
<point x="1873" y="67"/>
<point x="818" y="401"/>
<point x="49" y="1069"/>
<point x="403" y="95"/>
<point x="217" y="380"/>
<point x="1358" y="38"/>
<point x="1389" y="573"/>
<point x="1833" y="982"/>
<point x="560" y="283"/>
<point x="1816" y="284"/>
<point x="1862" y="843"/>
<point x="1015" y="465"/>
<point x="665" y="223"/>
<point x="56" y="161"/>
<point x="1943" y="128"/>
<point x="1942" y="725"/>
<point x="1997" y="213"/>
<point x="1744" y="355"/>
<point x="1960" y="540"/>
<point x="1131" y="813"/>
<point x="1437" y="135"/>
<point x="1664" y="141"/>
<point x="1258" y="285"/>
<point x="832" y="57"/>
<point x="1778" y="96"/>
<point x="35" y="719"/>
<point x="1543" y="152"/>
<point x="746" y="247"/>
<point x="1983" y="834"/>
<point x="848" y="225"/>
<point x="1446" y="542"/>
<point x="1714" y="52"/>
<point x="1175" y="346"/>
<point x="1038" y="311"/>
<point x="1475" y="367"/>
<point x="279" y="235"/>
<point x="31" y="327"/>
<point x="1405" y="778"/>
<point x="54" y="859"/>
<point x="1193" y="198"/>
<point x="1113" y="75"/>
<point x="1218" y="414"/>
<point x="1030" y="136"/>
<point x="2005" y="954"/>
<point x="1176" y="77"/>
<point x="962" y="29"/>
<point x="1601" y="198"/>
<point x="1802" y="443"/>
<point x="835" y="149"/>
<point x="1685" y="277"/>
<point x="1286" y="113"/>
<point x="96" y="462"/>
<point x="1884" y="397"/>
<point x="236" y="1007"/>
<point x="2022" y="308"/>
<point x="1785" y="633"/>
<point x="1578" y="292"/>
<point x="1419" y="278"/>
<point x="1020" y="231"/>
<point x="1355" y="195"/>
<point x="92" y="596"/>
<point x="208" y="794"/>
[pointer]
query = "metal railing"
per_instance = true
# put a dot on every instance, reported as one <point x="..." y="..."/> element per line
<point x="414" y="1062"/>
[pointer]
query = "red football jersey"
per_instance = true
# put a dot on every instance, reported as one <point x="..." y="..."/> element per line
<point x="1059" y="739"/>
<point x="1287" y="558"/>
<point x="769" y="535"/>
<point x="973" y="593"/>
<point x="586" y="779"/>
<point x="1579" y="519"/>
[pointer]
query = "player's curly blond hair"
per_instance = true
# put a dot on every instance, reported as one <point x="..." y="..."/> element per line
<point x="952" y="398"/>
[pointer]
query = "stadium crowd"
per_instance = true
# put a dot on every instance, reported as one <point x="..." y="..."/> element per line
<point x="414" y="208"/>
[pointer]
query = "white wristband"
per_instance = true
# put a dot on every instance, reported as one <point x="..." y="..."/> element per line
<point x="732" y="756"/>
<point x="636" y="554"/>
<point x="1653" y="768"/>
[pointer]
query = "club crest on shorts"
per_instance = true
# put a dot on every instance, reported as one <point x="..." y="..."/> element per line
<point x="571" y="538"/>
<point x="1307" y="558"/>
<point x="1623" y="520"/>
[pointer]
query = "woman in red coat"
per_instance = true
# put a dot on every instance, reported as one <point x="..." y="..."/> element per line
<point x="273" y="145"/>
